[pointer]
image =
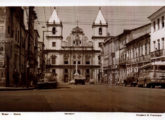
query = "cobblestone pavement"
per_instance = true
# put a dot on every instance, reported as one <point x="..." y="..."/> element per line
<point x="89" y="98"/>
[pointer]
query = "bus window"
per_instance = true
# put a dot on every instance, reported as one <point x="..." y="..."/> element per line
<point x="161" y="67"/>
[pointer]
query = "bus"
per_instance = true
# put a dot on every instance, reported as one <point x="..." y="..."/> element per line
<point x="151" y="75"/>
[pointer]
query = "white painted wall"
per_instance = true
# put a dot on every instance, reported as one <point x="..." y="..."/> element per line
<point x="96" y="43"/>
<point x="157" y="34"/>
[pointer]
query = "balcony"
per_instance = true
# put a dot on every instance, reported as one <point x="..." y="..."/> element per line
<point x="144" y="58"/>
<point x="140" y="59"/>
<point x="122" y="61"/>
<point x="158" y="53"/>
<point x="115" y="66"/>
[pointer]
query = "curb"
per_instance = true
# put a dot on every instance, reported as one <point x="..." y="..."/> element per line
<point x="15" y="89"/>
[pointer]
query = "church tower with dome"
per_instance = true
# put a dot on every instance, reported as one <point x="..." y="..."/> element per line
<point x="75" y="55"/>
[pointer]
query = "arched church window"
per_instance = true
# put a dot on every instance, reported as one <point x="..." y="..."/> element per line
<point x="54" y="30"/>
<point x="100" y="31"/>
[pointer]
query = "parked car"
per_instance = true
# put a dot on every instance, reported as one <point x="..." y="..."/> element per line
<point x="131" y="81"/>
<point x="91" y="81"/>
<point x="151" y="75"/>
<point x="48" y="80"/>
<point x="79" y="79"/>
<point x="72" y="82"/>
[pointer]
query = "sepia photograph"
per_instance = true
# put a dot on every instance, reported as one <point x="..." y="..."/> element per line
<point x="82" y="59"/>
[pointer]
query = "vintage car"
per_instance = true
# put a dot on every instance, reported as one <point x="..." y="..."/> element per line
<point x="131" y="80"/>
<point x="91" y="81"/>
<point x="151" y="75"/>
<point x="79" y="79"/>
<point x="48" y="80"/>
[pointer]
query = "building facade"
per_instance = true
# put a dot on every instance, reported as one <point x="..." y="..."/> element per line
<point x="14" y="36"/>
<point x="40" y="57"/>
<point x="157" y="36"/>
<point x="111" y="59"/>
<point x="123" y="38"/>
<point x="14" y="46"/>
<point x="77" y="53"/>
<point x="127" y="53"/>
<point x="100" y="33"/>
<point x="137" y="50"/>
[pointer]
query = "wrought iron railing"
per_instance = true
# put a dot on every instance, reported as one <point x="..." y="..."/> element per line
<point x="158" y="53"/>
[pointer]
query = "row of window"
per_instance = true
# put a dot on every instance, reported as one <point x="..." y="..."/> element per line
<point x="158" y="44"/>
<point x="138" y="51"/>
<point x="54" y="31"/>
<point x="53" y="60"/>
<point x="159" y="23"/>
<point x="76" y="42"/>
<point x="18" y="37"/>
<point x="79" y="71"/>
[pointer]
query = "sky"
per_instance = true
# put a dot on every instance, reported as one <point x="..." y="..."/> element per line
<point x="118" y="18"/>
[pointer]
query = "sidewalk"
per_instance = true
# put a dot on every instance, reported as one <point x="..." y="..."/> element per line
<point x="15" y="88"/>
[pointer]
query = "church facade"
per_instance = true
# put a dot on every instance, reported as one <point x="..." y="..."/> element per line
<point x="76" y="53"/>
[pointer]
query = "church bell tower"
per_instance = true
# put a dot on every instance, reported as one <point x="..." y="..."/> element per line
<point x="100" y="28"/>
<point x="54" y="35"/>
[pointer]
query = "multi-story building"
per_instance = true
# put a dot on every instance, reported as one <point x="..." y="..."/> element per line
<point x="13" y="44"/>
<point x="158" y="36"/>
<point x="110" y="59"/>
<point x="77" y="53"/>
<point x="40" y="57"/>
<point x="3" y="43"/>
<point x="137" y="49"/>
<point x="122" y="38"/>
<point x="13" y="39"/>
<point x="106" y="54"/>
<point x="127" y="53"/>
